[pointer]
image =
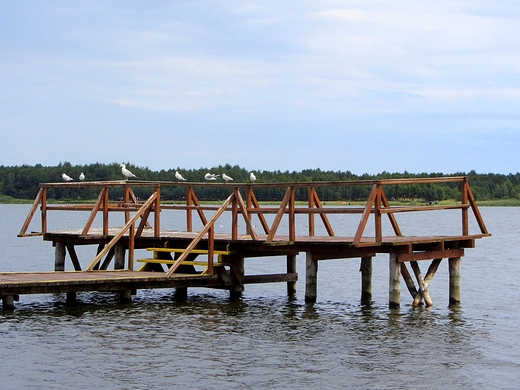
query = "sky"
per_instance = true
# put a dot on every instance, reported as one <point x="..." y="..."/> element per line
<point x="360" y="86"/>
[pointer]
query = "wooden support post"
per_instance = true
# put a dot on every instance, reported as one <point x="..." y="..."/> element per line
<point x="59" y="257"/>
<point x="408" y="280"/>
<point x="74" y="257"/>
<point x="180" y="294"/>
<point x="311" y="278"/>
<point x="423" y="284"/>
<point x="423" y="287"/>
<point x="8" y="302"/>
<point x="71" y="298"/>
<point x="131" y="247"/>
<point x="394" y="300"/>
<point x="455" y="273"/>
<point x="119" y="262"/>
<point x="291" y="268"/>
<point x="236" y="272"/>
<point x="125" y="296"/>
<point x="366" y="280"/>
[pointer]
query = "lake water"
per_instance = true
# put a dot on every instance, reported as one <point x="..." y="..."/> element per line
<point x="264" y="340"/>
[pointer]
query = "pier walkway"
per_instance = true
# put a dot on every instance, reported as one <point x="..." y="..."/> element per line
<point x="201" y="254"/>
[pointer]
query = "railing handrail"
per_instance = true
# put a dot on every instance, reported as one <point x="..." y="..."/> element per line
<point x="336" y="183"/>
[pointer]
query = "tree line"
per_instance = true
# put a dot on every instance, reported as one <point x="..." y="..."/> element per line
<point x="22" y="182"/>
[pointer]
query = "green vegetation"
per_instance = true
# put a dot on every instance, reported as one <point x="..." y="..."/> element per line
<point x="19" y="183"/>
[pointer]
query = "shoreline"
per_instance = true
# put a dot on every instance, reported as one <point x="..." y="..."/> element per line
<point x="416" y="202"/>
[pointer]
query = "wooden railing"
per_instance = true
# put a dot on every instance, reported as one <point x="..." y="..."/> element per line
<point x="377" y="205"/>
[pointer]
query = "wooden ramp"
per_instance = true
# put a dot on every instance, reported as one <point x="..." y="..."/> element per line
<point x="14" y="283"/>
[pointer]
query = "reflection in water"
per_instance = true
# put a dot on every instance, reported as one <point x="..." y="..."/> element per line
<point x="211" y="341"/>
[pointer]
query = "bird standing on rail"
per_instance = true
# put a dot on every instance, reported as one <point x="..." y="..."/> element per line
<point x="126" y="172"/>
<point x="252" y="177"/>
<point x="66" y="177"/>
<point x="178" y="176"/>
<point x="81" y="176"/>
<point x="210" y="176"/>
<point x="226" y="178"/>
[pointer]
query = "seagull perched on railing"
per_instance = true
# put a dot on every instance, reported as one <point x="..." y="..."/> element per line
<point x="126" y="172"/>
<point x="210" y="176"/>
<point x="81" y="176"/>
<point x="66" y="177"/>
<point x="252" y="177"/>
<point x="178" y="176"/>
<point x="226" y="177"/>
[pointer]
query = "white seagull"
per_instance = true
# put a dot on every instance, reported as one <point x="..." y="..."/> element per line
<point x="178" y="176"/>
<point x="66" y="177"/>
<point x="126" y="172"/>
<point x="210" y="176"/>
<point x="226" y="177"/>
<point x="81" y="176"/>
<point x="252" y="177"/>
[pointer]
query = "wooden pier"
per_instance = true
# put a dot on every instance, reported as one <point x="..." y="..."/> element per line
<point x="206" y="257"/>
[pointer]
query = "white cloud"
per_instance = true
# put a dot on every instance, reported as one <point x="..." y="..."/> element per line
<point x="274" y="69"/>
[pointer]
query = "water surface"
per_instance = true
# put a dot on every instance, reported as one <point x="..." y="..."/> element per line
<point x="265" y="340"/>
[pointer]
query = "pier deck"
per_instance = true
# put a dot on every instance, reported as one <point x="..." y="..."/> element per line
<point x="173" y="253"/>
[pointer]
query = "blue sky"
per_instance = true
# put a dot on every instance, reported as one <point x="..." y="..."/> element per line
<point x="365" y="86"/>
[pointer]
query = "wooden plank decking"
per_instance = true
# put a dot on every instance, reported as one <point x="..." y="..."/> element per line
<point x="12" y="283"/>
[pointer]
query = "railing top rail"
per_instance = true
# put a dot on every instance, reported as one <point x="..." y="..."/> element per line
<point x="142" y="183"/>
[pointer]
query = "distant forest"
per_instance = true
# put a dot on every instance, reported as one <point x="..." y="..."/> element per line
<point x="22" y="182"/>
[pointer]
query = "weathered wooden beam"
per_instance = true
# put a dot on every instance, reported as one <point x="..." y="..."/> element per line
<point x="328" y="183"/>
<point x="8" y="302"/>
<point x="181" y="294"/>
<point x="59" y="256"/>
<point x="394" y="283"/>
<point x="105" y="212"/>
<point x="95" y="209"/>
<point x="432" y="269"/>
<point x="236" y="272"/>
<point x="476" y="211"/>
<point x="342" y="253"/>
<point x="279" y="214"/>
<point x="311" y="200"/>
<point x="71" y="298"/>
<point x="253" y="205"/>
<point x="366" y="280"/>
<point x="191" y="199"/>
<point x="291" y="268"/>
<point x="323" y="213"/>
<point x="119" y="254"/>
<point x="464" y="200"/>
<point x="455" y="278"/>
<point x="408" y="280"/>
<point x="211" y="248"/>
<point x="311" y="278"/>
<point x="32" y="211"/>
<point x="73" y="257"/>
<point x="366" y="214"/>
<point x="408" y="209"/>
<point x="391" y="216"/>
<point x="423" y="289"/>
<point x="270" y="278"/>
<point x="157" y="212"/>
<point x="378" y="225"/>
<point x="427" y="255"/>
<point x="125" y="296"/>
<point x="108" y="260"/>
<point x="250" y="229"/>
